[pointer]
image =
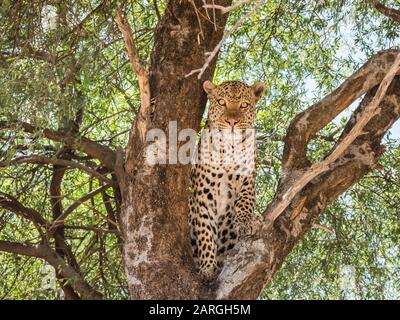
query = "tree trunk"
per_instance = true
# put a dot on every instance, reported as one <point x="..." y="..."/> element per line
<point x="157" y="255"/>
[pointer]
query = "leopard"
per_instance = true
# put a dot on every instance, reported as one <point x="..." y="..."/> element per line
<point x="222" y="193"/>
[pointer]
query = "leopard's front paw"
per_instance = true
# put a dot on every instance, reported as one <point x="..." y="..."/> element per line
<point x="246" y="227"/>
<point x="208" y="273"/>
<point x="244" y="230"/>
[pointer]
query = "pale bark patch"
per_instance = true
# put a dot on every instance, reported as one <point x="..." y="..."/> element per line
<point x="139" y="248"/>
<point x="235" y="270"/>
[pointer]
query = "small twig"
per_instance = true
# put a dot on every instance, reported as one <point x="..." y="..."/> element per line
<point x="211" y="55"/>
<point x="323" y="228"/>
<point x="157" y="10"/>
<point x="60" y="219"/>
<point x="61" y="162"/>
<point x="225" y="10"/>
<point x="198" y="21"/>
<point x="214" y="18"/>
<point x="329" y="138"/>
<point x="207" y="14"/>
<point x="80" y="25"/>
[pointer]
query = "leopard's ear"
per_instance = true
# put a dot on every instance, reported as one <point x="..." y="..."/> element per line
<point x="258" y="89"/>
<point x="208" y="87"/>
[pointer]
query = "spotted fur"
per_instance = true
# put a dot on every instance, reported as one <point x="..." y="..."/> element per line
<point x="222" y="195"/>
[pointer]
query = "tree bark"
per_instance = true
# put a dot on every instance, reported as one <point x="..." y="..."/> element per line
<point x="389" y="12"/>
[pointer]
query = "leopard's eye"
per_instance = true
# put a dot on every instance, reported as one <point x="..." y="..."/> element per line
<point x="221" y="102"/>
<point x="244" y="105"/>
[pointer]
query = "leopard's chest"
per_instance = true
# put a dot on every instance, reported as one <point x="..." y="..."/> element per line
<point x="221" y="168"/>
<point x="215" y="187"/>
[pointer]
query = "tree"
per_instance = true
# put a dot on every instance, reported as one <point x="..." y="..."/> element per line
<point x="59" y="83"/>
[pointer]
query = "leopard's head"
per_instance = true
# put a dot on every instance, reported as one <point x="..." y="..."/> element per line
<point x="232" y="104"/>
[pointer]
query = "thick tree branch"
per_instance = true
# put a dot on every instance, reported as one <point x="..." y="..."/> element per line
<point x="388" y="12"/>
<point x="112" y="221"/>
<point x="55" y="193"/>
<point x="139" y="69"/>
<point x="315" y="170"/>
<point x="42" y="225"/>
<point x="306" y="124"/>
<point x="56" y="207"/>
<point x="91" y="148"/>
<point x="58" y="162"/>
<point x="12" y="204"/>
<point x="19" y="248"/>
<point x="66" y="271"/>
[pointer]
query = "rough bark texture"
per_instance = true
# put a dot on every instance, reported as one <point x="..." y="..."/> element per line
<point x="157" y="256"/>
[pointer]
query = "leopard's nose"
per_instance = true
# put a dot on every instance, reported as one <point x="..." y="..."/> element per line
<point x="232" y="122"/>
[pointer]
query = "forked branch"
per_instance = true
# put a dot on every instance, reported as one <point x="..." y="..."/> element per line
<point x="306" y="124"/>
<point x="315" y="170"/>
<point x="298" y="203"/>
<point x="91" y="148"/>
<point x="211" y="55"/>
